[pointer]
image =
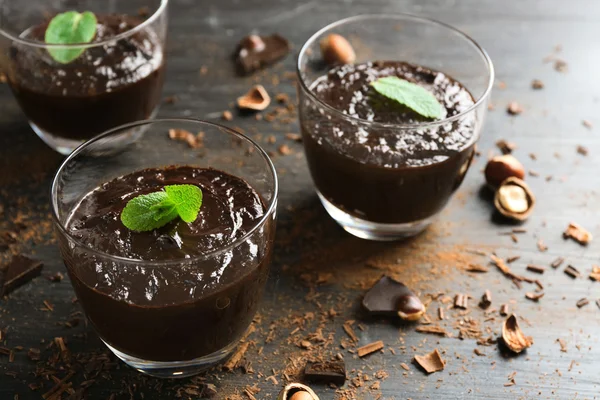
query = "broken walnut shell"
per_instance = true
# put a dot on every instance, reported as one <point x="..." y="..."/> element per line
<point x="513" y="336"/>
<point x="514" y="199"/>
<point x="335" y="49"/>
<point x="257" y="99"/>
<point x="389" y="297"/>
<point x="297" y="391"/>
<point x="500" y="168"/>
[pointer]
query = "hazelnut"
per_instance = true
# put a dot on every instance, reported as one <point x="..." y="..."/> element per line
<point x="301" y="396"/>
<point x="257" y="99"/>
<point x="514" y="199"/>
<point x="335" y="49"/>
<point x="499" y="168"/>
<point x="297" y="391"/>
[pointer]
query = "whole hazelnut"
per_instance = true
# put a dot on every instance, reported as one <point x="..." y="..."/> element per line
<point x="335" y="49"/>
<point x="499" y="168"/>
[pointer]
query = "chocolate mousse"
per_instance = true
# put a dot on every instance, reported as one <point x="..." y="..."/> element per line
<point x="107" y="86"/>
<point x="378" y="160"/>
<point x="198" y="302"/>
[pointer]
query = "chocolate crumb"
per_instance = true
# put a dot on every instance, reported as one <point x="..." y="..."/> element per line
<point x="227" y="116"/>
<point x="504" y="310"/>
<point x="505" y="146"/>
<point x="537" y="84"/>
<point x="431" y="362"/>
<point x="578" y="233"/>
<point x="587" y="124"/>
<point x="476" y="268"/>
<point x="572" y="272"/>
<point x="582" y="302"/>
<point x="557" y="262"/>
<point x="563" y="345"/>
<point x="486" y="300"/>
<point x="536" y="268"/>
<point x="561" y="66"/>
<point x="434" y="329"/>
<point x="285" y="150"/>
<point x="541" y="246"/>
<point x="534" y="296"/>
<point x="514" y="108"/>
<point x="595" y="274"/>
<point x="582" y="150"/>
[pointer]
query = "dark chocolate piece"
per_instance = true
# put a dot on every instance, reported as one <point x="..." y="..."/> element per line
<point x="326" y="372"/>
<point x="390" y="298"/>
<point x="538" y="269"/>
<point x="572" y="272"/>
<point x="18" y="272"/>
<point x="255" y="52"/>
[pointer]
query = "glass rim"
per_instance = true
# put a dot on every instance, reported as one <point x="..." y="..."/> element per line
<point x="120" y="36"/>
<point x="270" y="209"/>
<point x="396" y="16"/>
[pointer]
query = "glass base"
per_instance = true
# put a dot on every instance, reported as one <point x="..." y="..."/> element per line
<point x="66" y="146"/>
<point x="373" y="230"/>
<point x="175" y="369"/>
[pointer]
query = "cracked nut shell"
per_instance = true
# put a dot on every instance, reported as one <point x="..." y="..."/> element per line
<point x="499" y="168"/>
<point x="257" y="99"/>
<point x="297" y="391"/>
<point x="335" y="49"/>
<point x="514" y="199"/>
<point x="513" y="336"/>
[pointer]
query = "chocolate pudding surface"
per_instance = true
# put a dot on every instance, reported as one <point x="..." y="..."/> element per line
<point x="104" y="87"/>
<point x="190" y="307"/>
<point x="373" y="169"/>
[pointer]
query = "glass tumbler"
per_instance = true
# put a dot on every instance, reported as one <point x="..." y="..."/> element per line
<point x="116" y="79"/>
<point x="174" y="317"/>
<point x="371" y="191"/>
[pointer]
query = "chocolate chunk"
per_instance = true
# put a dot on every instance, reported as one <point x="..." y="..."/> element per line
<point x="255" y="52"/>
<point x="486" y="300"/>
<point x="326" y="372"/>
<point x="572" y="272"/>
<point x="18" y="272"/>
<point x="390" y="298"/>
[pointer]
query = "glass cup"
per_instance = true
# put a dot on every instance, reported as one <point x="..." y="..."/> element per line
<point x="369" y="191"/>
<point x="176" y="317"/>
<point x="117" y="79"/>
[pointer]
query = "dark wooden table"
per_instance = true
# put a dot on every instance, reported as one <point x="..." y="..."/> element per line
<point x="318" y="267"/>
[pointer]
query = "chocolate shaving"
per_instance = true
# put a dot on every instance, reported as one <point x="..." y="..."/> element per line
<point x="513" y="337"/>
<point x="461" y="301"/>
<point x="582" y="302"/>
<point x="255" y="52"/>
<point x="505" y="269"/>
<point x="505" y="147"/>
<point x="431" y="362"/>
<point x="434" y="329"/>
<point x="369" y="348"/>
<point x="504" y="310"/>
<point x="486" y="300"/>
<point x="577" y="233"/>
<point x="235" y="359"/>
<point x="349" y="331"/>
<point x="19" y="271"/>
<point x="326" y="372"/>
<point x="537" y="84"/>
<point x="389" y="297"/>
<point x="534" y="296"/>
<point x="514" y="108"/>
<point x="536" y="268"/>
<point x="476" y="268"/>
<point x="557" y="262"/>
<point x="572" y="272"/>
<point x="595" y="274"/>
<point x="563" y="345"/>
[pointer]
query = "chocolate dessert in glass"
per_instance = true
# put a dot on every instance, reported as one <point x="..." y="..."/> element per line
<point x="168" y="240"/>
<point x="81" y="67"/>
<point x="390" y="108"/>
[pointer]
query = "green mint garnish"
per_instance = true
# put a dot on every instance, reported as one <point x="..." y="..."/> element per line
<point x="413" y="96"/>
<point x="151" y="211"/>
<point x="70" y="27"/>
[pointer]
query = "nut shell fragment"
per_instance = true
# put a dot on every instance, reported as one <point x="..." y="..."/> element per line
<point x="514" y="199"/>
<point x="297" y="391"/>
<point x="257" y="99"/>
<point x="513" y="336"/>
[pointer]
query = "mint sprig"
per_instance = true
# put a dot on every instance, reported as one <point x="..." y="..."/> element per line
<point x="413" y="96"/>
<point x="67" y="28"/>
<point x="151" y="211"/>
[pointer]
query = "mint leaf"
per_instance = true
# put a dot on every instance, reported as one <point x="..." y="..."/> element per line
<point x="413" y="96"/>
<point x="187" y="199"/>
<point x="151" y="211"/>
<point x="70" y="27"/>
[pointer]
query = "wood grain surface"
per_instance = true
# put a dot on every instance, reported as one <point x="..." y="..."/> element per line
<point x="318" y="267"/>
